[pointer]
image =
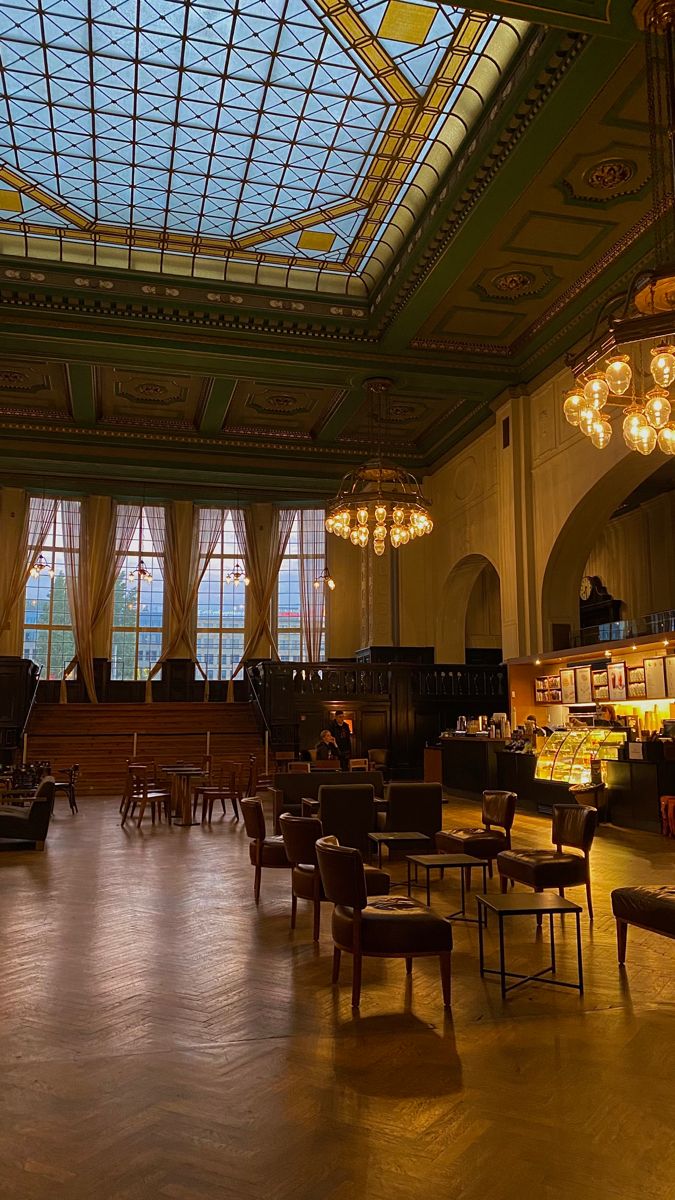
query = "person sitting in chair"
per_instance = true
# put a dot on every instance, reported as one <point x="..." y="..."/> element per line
<point x="326" y="746"/>
<point x="343" y="738"/>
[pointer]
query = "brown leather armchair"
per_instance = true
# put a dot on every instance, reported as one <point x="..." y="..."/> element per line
<point x="412" y="807"/>
<point x="348" y="812"/>
<point x="29" y="823"/>
<point x="264" y="851"/>
<point x="573" y="827"/>
<point x="378" y="926"/>
<point x="488" y="840"/>
<point x="300" y="836"/>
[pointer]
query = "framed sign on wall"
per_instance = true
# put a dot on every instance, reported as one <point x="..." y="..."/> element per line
<point x="670" y="676"/>
<point x="616" y="674"/>
<point x="583" y="682"/>
<point x="568" y="688"/>
<point x="655" y="678"/>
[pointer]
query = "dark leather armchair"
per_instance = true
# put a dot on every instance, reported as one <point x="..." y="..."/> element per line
<point x="289" y="791"/>
<point x="567" y="866"/>
<point x="29" y="823"/>
<point x="263" y="851"/>
<point x="378" y="926"/>
<point x="347" y="811"/>
<point x="488" y="840"/>
<point x="412" y="807"/>
<point x="300" y="836"/>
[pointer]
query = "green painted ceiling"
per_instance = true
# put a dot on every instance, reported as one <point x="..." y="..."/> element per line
<point x="122" y="378"/>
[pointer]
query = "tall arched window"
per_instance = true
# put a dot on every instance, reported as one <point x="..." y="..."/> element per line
<point x="297" y="610"/>
<point x="138" y="612"/>
<point x="47" y="627"/>
<point x="221" y="608"/>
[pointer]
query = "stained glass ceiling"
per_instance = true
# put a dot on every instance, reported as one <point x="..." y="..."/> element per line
<point x="288" y="142"/>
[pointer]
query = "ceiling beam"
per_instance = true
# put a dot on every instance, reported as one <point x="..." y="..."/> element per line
<point x="611" y="18"/>
<point x="217" y="404"/>
<point x="82" y="396"/>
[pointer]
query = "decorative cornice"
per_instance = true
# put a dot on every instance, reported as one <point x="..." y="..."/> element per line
<point x="497" y="154"/>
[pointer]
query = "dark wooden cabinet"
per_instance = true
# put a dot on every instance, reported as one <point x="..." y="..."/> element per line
<point x="18" y="683"/>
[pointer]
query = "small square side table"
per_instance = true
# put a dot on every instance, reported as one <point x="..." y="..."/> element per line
<point x="394" y="839"/>
<point x="517" y="904"/>
<point x="442" y="862"/>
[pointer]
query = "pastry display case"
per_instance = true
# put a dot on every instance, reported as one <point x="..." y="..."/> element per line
<point x="566" y="755"/>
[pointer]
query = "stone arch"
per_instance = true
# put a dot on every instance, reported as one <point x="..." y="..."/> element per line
<point x="575" y="540"/>
<point x="454" y="601"/>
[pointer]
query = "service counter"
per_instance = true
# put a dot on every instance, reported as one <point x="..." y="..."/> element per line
<point x="469" y="765"/>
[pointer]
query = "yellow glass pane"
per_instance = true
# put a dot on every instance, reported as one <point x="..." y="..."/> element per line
<point x="311" y="239"/>
<point x="11" y="201"/>
<point x="404" y="22"/>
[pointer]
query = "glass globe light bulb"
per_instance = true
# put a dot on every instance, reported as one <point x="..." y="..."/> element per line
<point x="666" y="439"/>
<point x="380" y="514"/>
<point x="574" y="402"/>
<point x="602" y="433"/>
<point x="587" y="418"/>
<point x="345" y="531"/>
<point x="618" y="374"/>
<point x="412" y="531"/>
<point x="657" y="408"/>
<point x="662" y="365"/>
<point x="331" y="583"/>
<point x="430" y="525"/>
<point x="317" y="584"/>
<point x="362" y="516"/>
<point x="395" y="536"/>
<point x="378" y="548"/>
<point x="329" y="524"/>
<point x="354" y="537"/>
<point x="405" y="535"/>
<point x="398" y="515"/>
<point x="596" y="390"/>
<point x="380" y="533"/>
<point x="363" y="536"/>
<point x="646" y="440"/>
<point x="634" y="421"/>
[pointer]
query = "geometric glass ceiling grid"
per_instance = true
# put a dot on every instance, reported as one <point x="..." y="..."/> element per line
<point x="231" y="132"/>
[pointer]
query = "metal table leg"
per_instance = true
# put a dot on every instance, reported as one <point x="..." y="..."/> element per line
<point x="579" y="959"/>
<point x="502" y="964"/>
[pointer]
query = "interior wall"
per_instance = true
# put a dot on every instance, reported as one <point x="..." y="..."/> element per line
<point x="483" y="614"/>
<point x="635" y="561"/>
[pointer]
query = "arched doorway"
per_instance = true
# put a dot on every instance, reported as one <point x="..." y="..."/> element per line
<point x="568" y="561"/>
<point x="469" y="618"/>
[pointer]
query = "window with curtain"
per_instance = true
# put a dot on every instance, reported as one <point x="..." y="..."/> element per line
<point x="303" y="562"/>
<point x="138" y="611"/>
<point x="221" y="608"/>
<point x="47" y="630"/>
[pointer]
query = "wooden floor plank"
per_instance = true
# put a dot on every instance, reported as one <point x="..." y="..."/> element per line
<point x="160" y="1038"/>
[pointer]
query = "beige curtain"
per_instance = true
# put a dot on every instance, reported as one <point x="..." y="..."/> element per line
<point x="96" y="536"/>
<point x="263" y="570"/>
<point x="37" y="523"/>
<point x="182" y="577"/>
<point x="312" y="542"/>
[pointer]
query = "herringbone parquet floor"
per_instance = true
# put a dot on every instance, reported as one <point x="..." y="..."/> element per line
<point x="160" y="1038"/>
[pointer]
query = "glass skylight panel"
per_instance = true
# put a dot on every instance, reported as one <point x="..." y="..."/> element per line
<point x="231" y="125"/>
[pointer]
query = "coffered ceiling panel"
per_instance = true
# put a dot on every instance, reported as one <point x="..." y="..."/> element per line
<point x="272" y="407"/>
<point x="34" y="388"/>
<point x="148" y="398"/>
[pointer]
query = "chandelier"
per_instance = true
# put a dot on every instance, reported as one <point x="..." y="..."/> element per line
<point x="609" y="372"/>
<point x="41" y="565"/>
<point x="237" y="575"/>
<point x="325" y="579"/>
<point x="140" y="573"/>
<point x="379" y="500"/>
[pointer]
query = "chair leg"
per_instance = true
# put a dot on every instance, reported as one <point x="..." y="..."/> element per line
<point x="490" y="871"/>
<point x="235" y="808"/>
<point x="540" y="916"/>
<point x="316" y="932"/>
<point x="504" y="883"/>
<point x="356" y="981"/>
<point x="561" y="892"/>
<point x="126" y="805"/>
<point x="141" y="810"/>
<point x="256" y="884"/>
<point x="294" y="909"/>
<point x="408" y="966"/>
<point x="621" y="938"/>
<point x="337" y="955"/>
<point x="445" y="960"/>
<point x="589" y="898"/>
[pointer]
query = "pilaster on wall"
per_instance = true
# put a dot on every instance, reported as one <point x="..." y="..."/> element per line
<point x="13" y="505"/>
<point x="376" y="598"/>
<point x="515" y="525"/>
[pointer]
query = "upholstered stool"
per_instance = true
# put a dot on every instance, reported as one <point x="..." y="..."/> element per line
<point x="651" y="908"/>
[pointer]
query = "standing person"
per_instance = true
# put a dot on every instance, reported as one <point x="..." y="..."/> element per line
<point x="343" y="738"/>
